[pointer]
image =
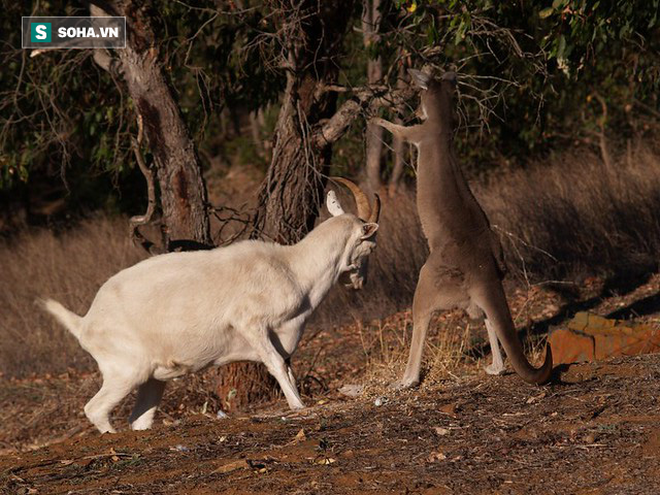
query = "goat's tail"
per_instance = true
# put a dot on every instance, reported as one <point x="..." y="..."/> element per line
<point x="67" y="318"/>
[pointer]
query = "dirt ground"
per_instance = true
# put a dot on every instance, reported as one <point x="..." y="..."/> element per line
<point x="593" y="430"/>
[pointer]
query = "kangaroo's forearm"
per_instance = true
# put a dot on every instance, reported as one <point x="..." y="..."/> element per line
<point x="400" y="131"/>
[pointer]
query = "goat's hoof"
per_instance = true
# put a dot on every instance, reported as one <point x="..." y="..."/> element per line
<point x="491" y="369"/>
<point x="140" y="427"/>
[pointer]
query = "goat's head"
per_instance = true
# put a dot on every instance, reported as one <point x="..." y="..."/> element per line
<point x="363" y="237"/>
<point x="436" y="101"/>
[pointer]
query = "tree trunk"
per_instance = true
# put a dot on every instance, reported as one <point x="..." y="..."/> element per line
<point x="242" y="384"/>
<point x="398" y="145"/>
<point x="178" y="169"/>
<point x="290" y="196"/>
<point x="371" y="17"/>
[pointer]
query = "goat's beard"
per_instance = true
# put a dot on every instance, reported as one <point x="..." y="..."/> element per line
<point x="352" y="279"/>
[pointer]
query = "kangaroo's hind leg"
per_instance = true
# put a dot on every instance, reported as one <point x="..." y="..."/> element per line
<point x="497" y="366"/>
<point x="437" y="289"/>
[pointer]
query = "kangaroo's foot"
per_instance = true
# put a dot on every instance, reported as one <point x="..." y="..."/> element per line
<point x="495" y="369"/>
<point x="405" y="383"/>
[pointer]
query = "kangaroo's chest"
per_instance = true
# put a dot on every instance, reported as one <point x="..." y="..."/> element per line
<point x="452" y="220"/>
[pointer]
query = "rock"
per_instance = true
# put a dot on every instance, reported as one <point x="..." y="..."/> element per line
<point x="590" y="337"/>
<point x="436" y="456"/>
<point x="300" y="436"/>
<point x="351" y="390"/>
<point x="232" y="466"/>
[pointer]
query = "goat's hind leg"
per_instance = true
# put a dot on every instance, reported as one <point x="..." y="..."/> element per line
<point x="113" y="390"/>
<point x="289" y="372"/>
<point x="148" y="398"/>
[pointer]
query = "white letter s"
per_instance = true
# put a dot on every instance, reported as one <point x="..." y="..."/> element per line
<point x="41" y="32"/>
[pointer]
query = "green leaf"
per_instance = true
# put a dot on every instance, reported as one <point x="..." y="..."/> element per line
<point x="562" y="46"/>
<point x="546" y="13"/>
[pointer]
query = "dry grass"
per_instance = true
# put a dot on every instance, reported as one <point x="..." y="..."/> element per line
<point x="559" y="220"/>
<point x="447" y="348"/>
<point x="578" y="217"/>
<point x="70" y="268"/>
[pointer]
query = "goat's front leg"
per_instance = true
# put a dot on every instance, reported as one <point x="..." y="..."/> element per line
<point x="261" y="343"/>
<point x="289" y="373"/>
<point x="286" y="339"/>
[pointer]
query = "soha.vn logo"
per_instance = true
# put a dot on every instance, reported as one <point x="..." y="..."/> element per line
<point x="40" y="32"/>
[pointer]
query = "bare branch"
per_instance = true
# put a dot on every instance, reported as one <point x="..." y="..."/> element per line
<point x="136" y="221"/>
<point x="365" y="102"/>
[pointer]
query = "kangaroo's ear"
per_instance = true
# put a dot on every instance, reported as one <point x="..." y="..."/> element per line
<point x="333" y="205"/>
<point x="449" y="76"/>
<point x="421" y="79"/>
<point x="368" y="230"/>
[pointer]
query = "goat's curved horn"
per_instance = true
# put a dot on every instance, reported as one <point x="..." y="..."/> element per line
<point x="363" y="207"/>
<point x="375" y="212"/>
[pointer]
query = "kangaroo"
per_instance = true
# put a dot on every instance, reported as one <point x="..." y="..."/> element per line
<point x="465" y="266"/>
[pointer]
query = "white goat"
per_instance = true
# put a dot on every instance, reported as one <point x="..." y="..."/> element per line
<point x="177" y="313"/>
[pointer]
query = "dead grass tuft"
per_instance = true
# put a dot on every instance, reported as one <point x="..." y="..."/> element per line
<point x="386" y="343"/>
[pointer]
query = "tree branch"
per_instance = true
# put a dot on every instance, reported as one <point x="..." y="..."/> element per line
<point x="365" y="101"/>
<point x="138" y="220"/>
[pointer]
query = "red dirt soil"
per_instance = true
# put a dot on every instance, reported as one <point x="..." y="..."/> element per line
<point x="593" y="430"/>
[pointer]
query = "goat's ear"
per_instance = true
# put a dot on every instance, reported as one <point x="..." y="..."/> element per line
<point x="368" y="230"/>
<point x="421" y="79"/>
<point x="333" y="205"/>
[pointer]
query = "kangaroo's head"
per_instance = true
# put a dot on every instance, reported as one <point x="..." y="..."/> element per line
<point x="363" y="227"/>
<point x="437" y="98"/>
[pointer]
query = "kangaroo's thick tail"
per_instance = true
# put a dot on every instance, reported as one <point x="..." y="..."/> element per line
<point x="494" y="304"/>
<point x="67" y="318"/>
